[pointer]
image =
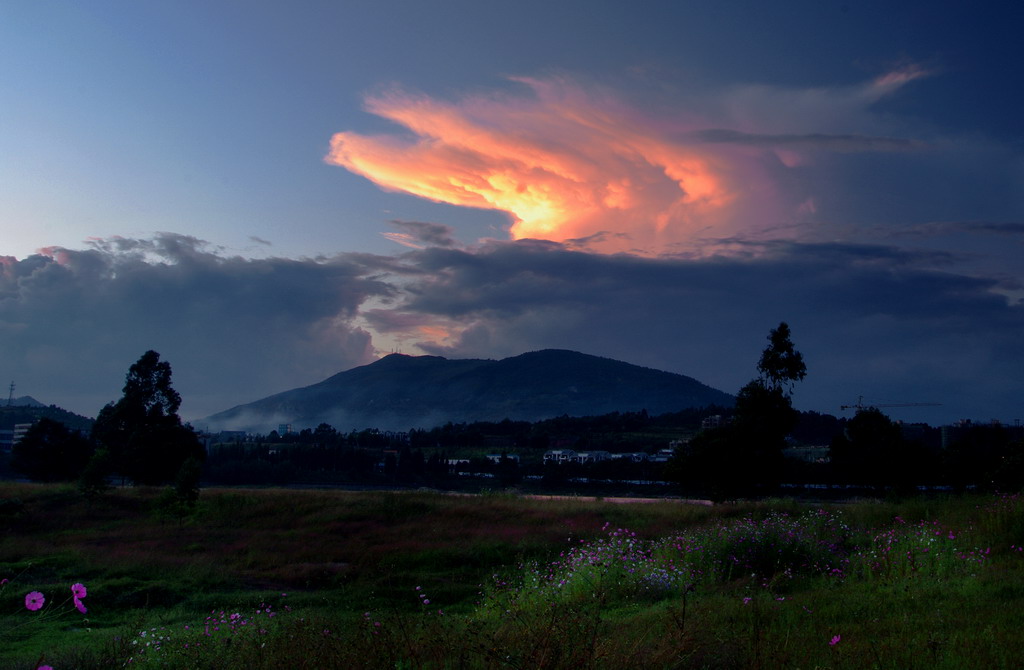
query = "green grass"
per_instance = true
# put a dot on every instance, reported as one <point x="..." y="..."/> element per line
<point x="512" y="582"/>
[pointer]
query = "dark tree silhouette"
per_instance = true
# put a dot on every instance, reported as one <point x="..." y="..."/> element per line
<point x="986" y="456"/>
<point x="51" y="452"/>
<point x="744" y="457"/>
<point x="872" y="451"/>
<point x="781" y="365"/>
<point x="145" y="436"/>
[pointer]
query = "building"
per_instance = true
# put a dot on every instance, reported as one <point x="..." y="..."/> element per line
<point x="559" y="456"/>
<point x="715" y="421"/>
<point x="10" y="437"/>
<point x="496" y="458"/>
<point x="663" y="455"/>
<point x="632" y="456"/>
<point x="592" y="456"/>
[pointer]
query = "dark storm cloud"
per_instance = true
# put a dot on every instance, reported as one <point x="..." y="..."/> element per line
<point x="871" y="319"/>
<point x="891" y="324"/>
<point x="234" y="329"/>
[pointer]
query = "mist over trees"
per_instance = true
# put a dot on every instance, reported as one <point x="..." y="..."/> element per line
<point x="758" y="447"/>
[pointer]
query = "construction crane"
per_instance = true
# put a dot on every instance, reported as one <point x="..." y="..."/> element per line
<point x="860" y="404"/>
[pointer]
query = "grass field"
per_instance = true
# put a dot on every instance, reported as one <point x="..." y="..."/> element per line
<point x="333" y="579"/>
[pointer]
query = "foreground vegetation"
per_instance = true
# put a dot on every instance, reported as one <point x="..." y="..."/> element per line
<point x="320" y="579"/>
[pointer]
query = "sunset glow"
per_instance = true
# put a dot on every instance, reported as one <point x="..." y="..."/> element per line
<point x="479" y="180"/>
<point x="561" y="163"/>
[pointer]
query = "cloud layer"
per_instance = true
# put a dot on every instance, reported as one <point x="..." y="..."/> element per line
<point x="891" y="249"/>
<point x="234" y="329"/>
<point x="569" y="162"/>
<point x="872" y="320"/>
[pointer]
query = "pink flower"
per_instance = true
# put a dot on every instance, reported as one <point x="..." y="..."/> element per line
<point x="835" y="640"/>
<point x="79" y="606"/>
<point x="35" y="600"/>
<point x="79" y="590"/>
<point x="45" y="667"/>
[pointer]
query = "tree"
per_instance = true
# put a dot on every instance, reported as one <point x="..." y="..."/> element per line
<point x="145" y="436"/>
<point x="92" y="483"/>
<point x="51" y="452"/>
<point x="781" y="365"/>
<point x="872" y="451"/>
<point x="744" y="457"/>
<point x="985" y="456"/>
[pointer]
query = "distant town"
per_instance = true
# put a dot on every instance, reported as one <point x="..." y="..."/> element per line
<point x="630" y="452"/>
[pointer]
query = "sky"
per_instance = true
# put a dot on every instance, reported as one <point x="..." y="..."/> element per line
<point x="269" y="193"/>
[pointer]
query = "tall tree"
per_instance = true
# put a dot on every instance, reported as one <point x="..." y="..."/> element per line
<point x="143" y="432"/>
<point x="781" y="365"/>
<point x="744" y="457"/>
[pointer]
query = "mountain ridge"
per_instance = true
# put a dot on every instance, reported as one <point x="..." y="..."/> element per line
<point x="399" y="392"/>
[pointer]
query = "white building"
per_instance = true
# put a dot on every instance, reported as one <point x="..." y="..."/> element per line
<point x="592" y="456"/>
<point x="559" y="456"/>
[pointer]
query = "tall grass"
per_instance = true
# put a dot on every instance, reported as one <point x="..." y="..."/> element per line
<point x="275" y="578"/>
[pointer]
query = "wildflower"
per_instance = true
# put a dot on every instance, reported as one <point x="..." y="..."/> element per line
<point x="835" y="640"/>
<point x="79" y="590"/>
<point x="45" y="667"/>
<point x="746" y="600"/>
<point x="79" y="606"/>
<point x="34" y="600"/>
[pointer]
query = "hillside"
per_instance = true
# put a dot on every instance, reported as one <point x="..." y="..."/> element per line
<point x="400" y="392"/>
<point x="30" y="412"/>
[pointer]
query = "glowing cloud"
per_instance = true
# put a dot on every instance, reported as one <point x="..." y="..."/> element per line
<point x="562" y="163"/>
<point x="569" y="164"/>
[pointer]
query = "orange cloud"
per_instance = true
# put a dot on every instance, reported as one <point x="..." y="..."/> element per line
<point x="564" y="164"/>
<point x="579" y="166"/>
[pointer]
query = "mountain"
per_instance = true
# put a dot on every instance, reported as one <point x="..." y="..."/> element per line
<point x="24" y="401"/>
<point x="400" y="392"/>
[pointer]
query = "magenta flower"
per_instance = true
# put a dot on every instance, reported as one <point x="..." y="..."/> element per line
<point x="35" y="600"/>
<point x="835" y="640"/>
<point x="79" y="590"/>
<point x="45" y="667"/>
<point x="79" y="606"/>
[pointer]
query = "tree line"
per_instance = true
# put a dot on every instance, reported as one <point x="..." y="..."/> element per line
<point x="744" y="456"/>
<point x="140" y="438"/>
